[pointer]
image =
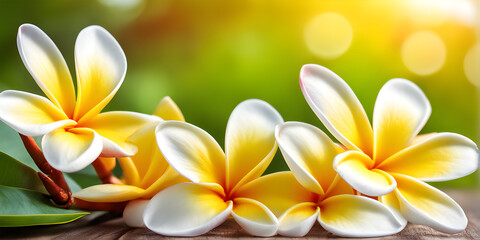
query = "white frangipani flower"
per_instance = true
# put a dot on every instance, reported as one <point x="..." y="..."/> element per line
<point x="390" y="160"/>
<point x="194" y="208"/>
<point x="315" y="192"/>
<point x="74" y="131"/>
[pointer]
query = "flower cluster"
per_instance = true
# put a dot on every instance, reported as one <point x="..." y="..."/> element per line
<point x="179" y="182"/>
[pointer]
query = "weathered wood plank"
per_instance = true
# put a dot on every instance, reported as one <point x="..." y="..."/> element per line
<point x="230" y="229"/>
<point x="108" y="226"/>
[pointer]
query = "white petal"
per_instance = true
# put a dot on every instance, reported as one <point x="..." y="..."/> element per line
<point x="357" y="170"/>
<point x="334" y="102"/>
<point x="298" y="220"/>
<point x="309" y="154"/>
<point x="249" y="141"/>
<point x="423" y="204"/>
<point x="47" y="66"/>
<point x="254" y="217"/>
<point x="278" y="191"/>
<point x="30" y="114"/>
<point x="401" y="111"/>
<point x="187" y="209"/>
<point x="109" y="193"/>
<point x="441" y="157"/>
<point x="116" y="127"/>
<point x="191" y="151"/>
<point x="71" y="150"/>
<point x="112" y="149"/>
<point x="391" y="201"/>
<point x="358" y="216"/>
<point x="169" y="178"/>
<point x="101" y="66"/>
<point x="133" y="213"/>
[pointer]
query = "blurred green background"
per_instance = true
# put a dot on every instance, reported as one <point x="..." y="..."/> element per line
<point x="211" y="55"/>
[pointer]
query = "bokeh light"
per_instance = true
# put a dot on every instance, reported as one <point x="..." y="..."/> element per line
<point x="208" y="56"/>
<point x="328" y="35"/>
<point x="424" y="53"/>
<point x="430" y="13"/>
<point x="472" y="64"/>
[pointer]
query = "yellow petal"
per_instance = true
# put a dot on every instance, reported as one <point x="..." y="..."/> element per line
<point x="309" y="154"/>
<point x="334" y="102"/>
<point x="338" y="187"/>
<point x="47" y="66"/>
<point x="390" y="200"/>
<point x="116" y="127"/>
<point x="30" y="114"/>
<point x="129" y="171"/>
<point x="357" y="216"/>
<point x="249" y="141"/>
<point x="169" y="178"/>
<point x="187" y="209"/>
<point x="298" y="220"/>
<point x="278" y="191"/>
<point x="101" y="66"/>
<point x="422" y="204"/>
<point x="356" y="169"/>
<point x="167" y="109"/>
<point x="401" y="111"/>
<point x="109" y="193"/>
<point x="192" y="152"/>
<point x="109" y="163"/>
<point x="147" y="147"/>
<point x="254" y="217"/>
<point x="421" y="137"/>
<point x="70" y="150"/>
<point x="149" y="160"/>
<point x="442" y="157"/>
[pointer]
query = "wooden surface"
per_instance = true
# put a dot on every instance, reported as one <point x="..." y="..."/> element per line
<point x="107" y="226"/>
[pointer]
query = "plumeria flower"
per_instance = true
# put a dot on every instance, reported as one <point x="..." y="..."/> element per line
<point x="390" y="159"/>
<point x="321" y="194"/>
<point x="74" y="133"/>
<point x="194" y="208"/>
<point x="145" y="174"/>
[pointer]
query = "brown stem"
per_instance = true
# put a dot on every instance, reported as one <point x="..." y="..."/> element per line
<point x="100" y="206"/>
<point x="58" y="194"/>
<point x="104" y="174"/>
<point x="42" y="164"/>
<point x="52" y="179"/>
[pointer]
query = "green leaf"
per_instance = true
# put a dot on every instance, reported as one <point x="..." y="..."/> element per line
<point x="11" y="144"/>
<point x="16" y="174"/>
<point x="20" y="208"/>
<point x="85" y="178"/>
<point x="74" y="187"/>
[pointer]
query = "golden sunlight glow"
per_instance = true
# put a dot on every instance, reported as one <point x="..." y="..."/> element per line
<point x="429" y="13"/>
<point x="470" y="65"/>
<point x="328" y="35"/>
<point x="127" y="4"/>
<point x="423" y="53"/>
